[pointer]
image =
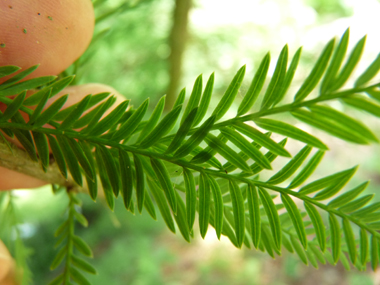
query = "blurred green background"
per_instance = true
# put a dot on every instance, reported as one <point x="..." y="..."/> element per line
<point x="133" y="52"/>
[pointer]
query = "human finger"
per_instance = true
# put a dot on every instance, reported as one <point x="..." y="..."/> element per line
<point x="52" y="33"/>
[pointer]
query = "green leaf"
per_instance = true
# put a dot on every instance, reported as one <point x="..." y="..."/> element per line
<point x="238" y="210"/>
<point x="333" y="189"/>
<point x="351" y="63"/>
<point x="127" y="129"/>
<point x="230" y="94"/>
<point x="335" y="63"/>
<point x="8" y="70"/>
<point x="18" y="77"/>
<point x="374" y="93"/>
<point x="140" y="182"/>
<point x="299" y="250"/>
<point x="154" y="118"/>
<point x="316" y="73"/>
<point x="318" y="225"/>
<point x="254" y="214"/>
<point x="91" y="183"/>
<point x="83" y="265"/>
<point x="70" y="158"/>
<point x="268" y="242"/>
<point x="344" y="261"/>
<point x="25" y="85"/>
<point x="363" y="246"/>
<point x="276" y="83"/>
<point x="296" y="217"/>
<point x="55" y="88"/>
<point x="110" y="120"/>
<point x="374" y="252"/>
<point x="204" y="204"/>
<point x="59" y="258"/>
<point x="335" y="237"/>
<point x="350" y="240"/>
<point x="269" y="155"/>
<point x="89" y="169"/>
<point x="191" y="197"/>
<point x="181" y="219"/>
<point x="75" y="114"/>
<point x="58" y="155"/>
<point x="148" y="204"/>
<point x="180" y="99"/>
<point x="350" y="124"/>
<point x="364" y="212"/>
<point x="362" y="103"/>
<point x="218" y="203"/>
<point x="41" y="143"/>
<point x="207" y="153"/>
<point x="255" y="87"/>
<point x="165" y="182"/>
<point x="290" y="167"/>
<point x="82" y="246"/>
<point x="78" y="277"/>
<point x="307" y="170"/>
<point x="81" y="219"/>
<point x="271" y="211"/>
<point x="369" y="73"/>
<point x="127" y="178"/>
<point x="238" y="140"/>
<point x="205" y="101"/>
<point x="286" y="243"/>
<point x="37" y="111"/>
<point x="320" y="122"/>
<point x="317" y="253"/>
<point x="107" y="188"/>
<point x="194" y="98"/>
<point x="13" y="108"/>
<point x="110" y="167"/>
<point x="356" y="204"/>
<point x="289" y="131"/>
<point x="195" y="138"/>
<point x="92" y="118"/>
<point x="165" y="126"/>
<point x="182" y="131"/>
<point x="50" y="112"/>
<point x="161" y="203"/>
<point x="289" y="76"/>
<point x="327" y="181"/>
<point x="226" y="152"/>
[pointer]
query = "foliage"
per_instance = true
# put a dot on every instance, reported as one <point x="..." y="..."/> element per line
<point x="211" y="164"/>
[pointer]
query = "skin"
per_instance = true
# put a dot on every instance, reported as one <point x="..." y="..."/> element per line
<point x="53" y="34"/>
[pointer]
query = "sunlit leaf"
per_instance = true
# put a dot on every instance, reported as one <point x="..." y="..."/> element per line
<point x="218" y="203"/>
<point x="290" y="167"/>
<point x="316" y="73"/>
<point x="335" y="237"/>
<point x="255" y="87"/>
<point x="319" y="227"/>
<point x="276" y="83"/>
<point x="191" y="197"/>
<point x="254" y="214"/>
<point x="271" y="211"/>
<point x="296" y="218"/>
<point x="205" y="101"/>
<point x="289" y="131"/>
<point x="204" y="204"/>
<point x="230" y="94"/>
<point x="165" y="182"/>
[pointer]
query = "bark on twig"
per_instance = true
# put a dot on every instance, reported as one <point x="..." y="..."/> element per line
<point x="18" y="160"/>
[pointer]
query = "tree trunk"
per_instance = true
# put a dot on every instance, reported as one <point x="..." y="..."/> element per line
<point x="177" y="42"/>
